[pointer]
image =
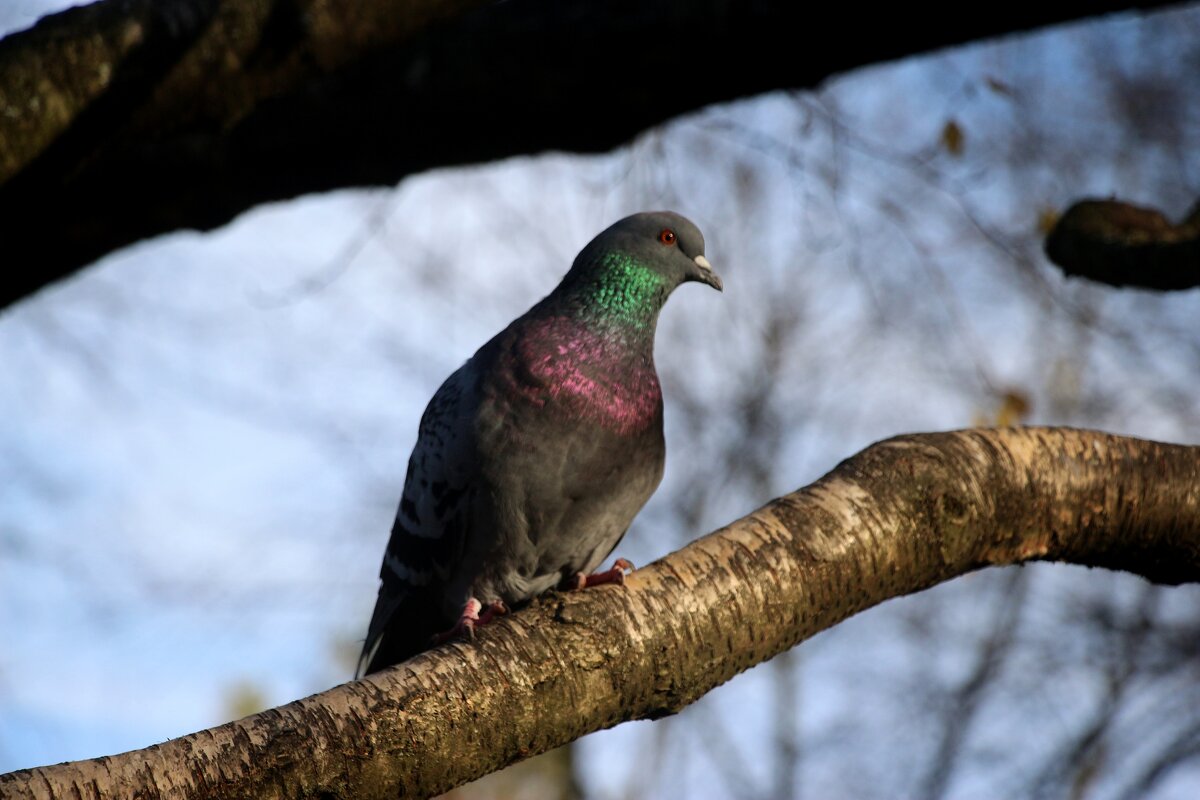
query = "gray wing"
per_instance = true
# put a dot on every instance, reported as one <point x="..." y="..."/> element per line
<point x="430" y="529"/>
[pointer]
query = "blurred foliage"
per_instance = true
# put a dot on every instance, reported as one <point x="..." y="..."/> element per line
<point x="953" y="138"/>
<point x="243" y="699"/>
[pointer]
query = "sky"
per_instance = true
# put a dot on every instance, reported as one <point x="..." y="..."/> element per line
<point x="210" y="430"/>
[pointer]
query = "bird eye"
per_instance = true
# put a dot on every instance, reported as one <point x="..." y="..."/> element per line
<point x="666" y="236"/>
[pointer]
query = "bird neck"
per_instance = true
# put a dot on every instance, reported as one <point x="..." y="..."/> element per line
<point x="589" y="345"/>
<point x="617" y="296"/>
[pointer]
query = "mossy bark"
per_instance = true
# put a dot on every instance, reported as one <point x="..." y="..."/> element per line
<point x="901" y="516"/>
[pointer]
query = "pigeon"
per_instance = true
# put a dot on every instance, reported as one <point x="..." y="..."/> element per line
<point x="535" y="455"/>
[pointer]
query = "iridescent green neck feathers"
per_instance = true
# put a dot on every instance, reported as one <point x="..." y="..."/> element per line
<point x="623" y="292"/>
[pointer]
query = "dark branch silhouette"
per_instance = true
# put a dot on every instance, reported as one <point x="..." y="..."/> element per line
<point x="124" y="120"/>
<point x="1125" y="245"/>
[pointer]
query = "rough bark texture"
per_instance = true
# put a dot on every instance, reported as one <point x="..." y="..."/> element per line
<point x="130" y="118"/>
<point x="1126" y="245"/>
<point x="899" y="517"/>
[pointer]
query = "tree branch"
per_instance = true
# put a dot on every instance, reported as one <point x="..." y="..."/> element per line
<point x="124" y="120"/>
<point x="899" y="517"/>
<point x="1125" y="245"/>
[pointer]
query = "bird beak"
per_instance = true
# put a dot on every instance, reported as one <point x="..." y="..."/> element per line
<point x="704" y="273"/>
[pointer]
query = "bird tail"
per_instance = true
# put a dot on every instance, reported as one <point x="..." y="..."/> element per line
<point x="367" y="659"/>
<point x="404" y="624"/>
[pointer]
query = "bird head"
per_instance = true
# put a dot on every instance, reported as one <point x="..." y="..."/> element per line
<point x="662" y="241"/>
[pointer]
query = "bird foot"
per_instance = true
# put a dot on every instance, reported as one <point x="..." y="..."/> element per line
<point x="615" y="575"/>
<point x="474" y="615"/>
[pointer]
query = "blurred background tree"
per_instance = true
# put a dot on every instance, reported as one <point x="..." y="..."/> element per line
<point x="208" y="431"/>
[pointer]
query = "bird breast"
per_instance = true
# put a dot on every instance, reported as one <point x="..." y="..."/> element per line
<point x="589" y="375"/>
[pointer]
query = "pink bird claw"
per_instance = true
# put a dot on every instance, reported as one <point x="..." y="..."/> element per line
<point x="474" y="614"/>
<point x="494" y="609"/>
<point x="614" y="575"/>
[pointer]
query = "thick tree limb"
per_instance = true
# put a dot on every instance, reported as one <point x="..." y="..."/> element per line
<point x="899" y="517"/>
<point x="131" y="118"/>
<point x="1126" y="245"/>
